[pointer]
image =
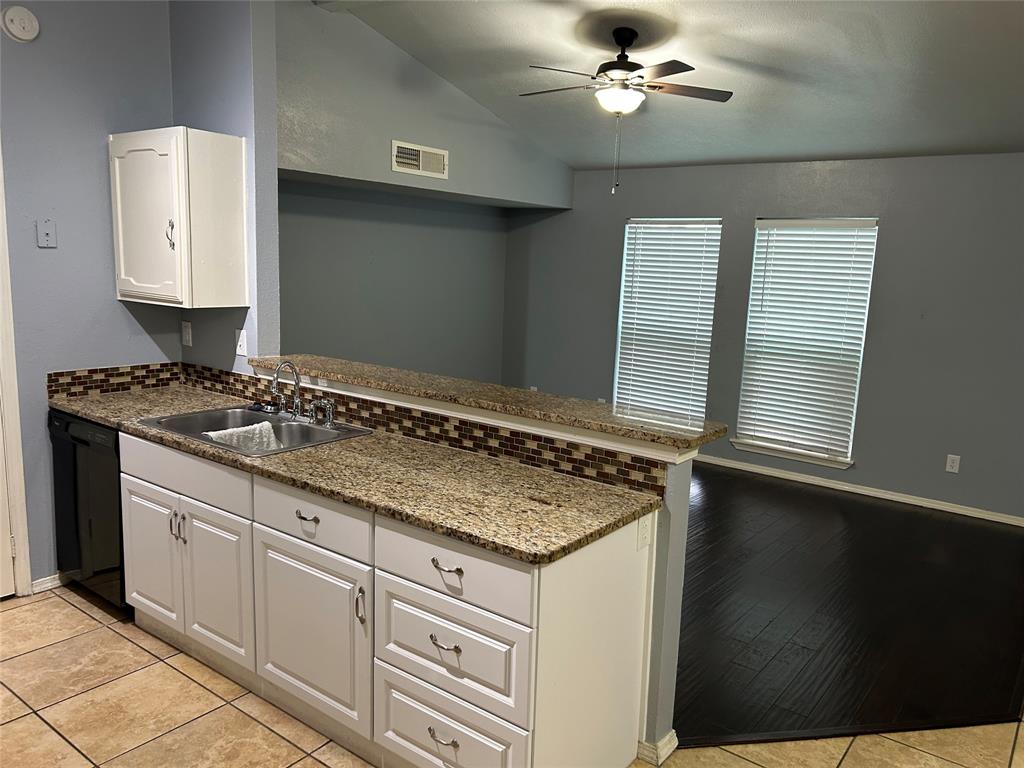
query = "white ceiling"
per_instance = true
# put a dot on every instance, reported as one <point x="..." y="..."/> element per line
<point x="812" y="80"/>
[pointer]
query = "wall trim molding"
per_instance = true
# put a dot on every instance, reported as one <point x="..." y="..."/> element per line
<point x="13" y="467"/>
<point x="864" y="490"/>
<point x="656" y="754"/>
<point x="48" y="582"/>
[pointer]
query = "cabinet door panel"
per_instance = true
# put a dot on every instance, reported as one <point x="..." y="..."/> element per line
<point x="150" y="223"/>
<point x="313" y="626"/>
<point x="218" y="581"/>
<point x="152" y="553"/>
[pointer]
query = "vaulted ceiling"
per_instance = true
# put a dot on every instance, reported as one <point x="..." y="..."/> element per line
<point x="812" y="80"/>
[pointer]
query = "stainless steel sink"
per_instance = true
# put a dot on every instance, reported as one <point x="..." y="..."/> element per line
<point x="291" y="434"/>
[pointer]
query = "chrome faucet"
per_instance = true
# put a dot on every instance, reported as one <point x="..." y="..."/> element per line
<point x="275" y="390"/>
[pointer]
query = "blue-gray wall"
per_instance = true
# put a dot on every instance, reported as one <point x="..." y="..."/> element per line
<point x="944" y="356"/>
<point x="392" y="279"/>
<point x="345" y="91"/>
<point x="97" y="68"/>
<point x="213" y="59"/>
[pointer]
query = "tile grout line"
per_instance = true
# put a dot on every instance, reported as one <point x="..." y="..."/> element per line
<point x="272" y="730"/>
<point x="74" y="746"/>
<point x="846" y="752"/>
<point x="56" y="642"/>
<point x="94" y="687"/>
<point x="741" y="757"/>
<point x="925" y="751"/>
<point x="1013" y="745"/>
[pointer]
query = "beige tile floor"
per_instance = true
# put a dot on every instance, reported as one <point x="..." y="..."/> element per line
<point x="81" y="686"/>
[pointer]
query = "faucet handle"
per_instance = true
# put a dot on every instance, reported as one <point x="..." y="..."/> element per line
<point x="328" y="407"/>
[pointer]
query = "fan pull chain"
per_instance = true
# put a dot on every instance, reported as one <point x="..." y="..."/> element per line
<point x="615" y="161"/>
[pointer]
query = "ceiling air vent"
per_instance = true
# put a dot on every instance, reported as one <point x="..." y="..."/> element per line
<point x="423" y="161"/>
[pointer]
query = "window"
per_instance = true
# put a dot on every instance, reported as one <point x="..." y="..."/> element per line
<point x="807" y="314"/>
<point x="669" y="269"/>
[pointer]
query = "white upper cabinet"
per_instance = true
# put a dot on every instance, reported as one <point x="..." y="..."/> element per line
<point x="178" y="200"/>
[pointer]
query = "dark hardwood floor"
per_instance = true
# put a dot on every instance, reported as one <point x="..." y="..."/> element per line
<point x="812" y="612"/>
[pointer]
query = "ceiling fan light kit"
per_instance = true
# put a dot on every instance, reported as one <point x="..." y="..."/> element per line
<point x="619" y="98"/>
<point x="621" y="86"/>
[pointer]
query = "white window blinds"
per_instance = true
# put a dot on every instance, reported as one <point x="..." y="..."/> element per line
<point x="669" y="270"/>
<point x="806" y="319"/>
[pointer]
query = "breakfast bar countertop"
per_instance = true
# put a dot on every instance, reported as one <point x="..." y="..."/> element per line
<point x="572" y="412"/>
<point x="530" y="514"/>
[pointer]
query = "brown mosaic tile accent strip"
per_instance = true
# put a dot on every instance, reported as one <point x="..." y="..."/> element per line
<point x="570" y="458"/>
<point x="87" y="381"/>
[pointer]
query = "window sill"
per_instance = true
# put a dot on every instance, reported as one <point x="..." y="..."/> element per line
<point x="789" y="453"/>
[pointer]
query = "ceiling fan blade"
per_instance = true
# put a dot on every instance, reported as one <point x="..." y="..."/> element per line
<point x="567" y="71"/>
<point x="665" y="69"/>
<point x="556" y="90"/>
<point x="688" y="90"/>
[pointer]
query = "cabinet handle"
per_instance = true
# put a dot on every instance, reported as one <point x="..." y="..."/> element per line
<point x="172" y="523"/>
<point x="315" y="519"/>
<point x="361" y="605"/>
<point x="169" y="233"/>
<point x="456" y="648"/>
<point x="181" y="535"/>
<point x="444" y="569"/>
<point x="453" y="743"/>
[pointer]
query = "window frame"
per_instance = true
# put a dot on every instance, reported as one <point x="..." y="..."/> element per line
<point x="669" y="418"/>
<point x="745" y="440"/>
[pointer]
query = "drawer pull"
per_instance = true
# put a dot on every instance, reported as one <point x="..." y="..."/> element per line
<point x="361" y="605"/>
<point x="457" y="649"/>
<point x="453" y="743"/>
<point x="172" y="522"/>
<point x="315" y="519"/>
<point x="181" y="522"/>
<point x="445" y="569"/>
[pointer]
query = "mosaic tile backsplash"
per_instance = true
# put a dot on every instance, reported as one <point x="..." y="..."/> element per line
<point x="566" y="457"/>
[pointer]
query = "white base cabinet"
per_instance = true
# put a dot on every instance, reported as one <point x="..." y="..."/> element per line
<point x="217" y="548"/>
<point x="313" y="626"/>
<point x="189" y="566"/>
<point x="439" y="653"/>
<point x="152" y="551"/>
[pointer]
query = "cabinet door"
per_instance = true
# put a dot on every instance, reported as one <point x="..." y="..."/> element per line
<point x="217" y="549"/>
<point x="313" y="626"/>
<point x="149" y="200"/>
<point x="152" y="551"/>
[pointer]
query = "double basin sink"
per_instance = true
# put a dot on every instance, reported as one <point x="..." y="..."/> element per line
<point x="289" y="434"/>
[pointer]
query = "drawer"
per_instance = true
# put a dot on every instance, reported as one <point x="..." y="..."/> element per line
<point x="223" y="487"/>
<point x="333" y="525"/>
<point x="498" y="584"/>
<point x="476" y="655"/>
<point x="413" y="719"/>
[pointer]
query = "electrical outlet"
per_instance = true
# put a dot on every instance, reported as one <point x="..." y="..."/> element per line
<point x="643" y="532"/>
<point x="186" y="333"/>
<point x="601" y="400"/>
<point x="533" y="389"/>
<point x="240" y="344"/>
<point x="953" y="463"/>
<point x="46" y="233"/>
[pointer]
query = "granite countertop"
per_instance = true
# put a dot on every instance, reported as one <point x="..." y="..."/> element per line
<point x="533" y="515"/>
<point x="540" y="406"/>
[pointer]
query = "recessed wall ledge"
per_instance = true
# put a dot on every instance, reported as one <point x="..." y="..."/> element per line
<point x="554" y="415"/>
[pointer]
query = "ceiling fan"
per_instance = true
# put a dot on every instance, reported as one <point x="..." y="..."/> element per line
<point x="622" y="85"/>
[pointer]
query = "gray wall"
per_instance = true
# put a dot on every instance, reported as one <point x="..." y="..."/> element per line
<point x="212" y="77"/>
<point x="392" y="279"/>
<point x="944" y="353"/>
<point x="96" y="68"/>
<point x="334" y="121"/>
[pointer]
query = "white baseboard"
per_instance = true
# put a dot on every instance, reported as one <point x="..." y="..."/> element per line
<point x="656" y="754"/>
<point x="48" y="582"/>
<point x="878" y="493"/>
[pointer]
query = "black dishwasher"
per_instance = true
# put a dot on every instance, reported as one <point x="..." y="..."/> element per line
<point x="87" y="504"/>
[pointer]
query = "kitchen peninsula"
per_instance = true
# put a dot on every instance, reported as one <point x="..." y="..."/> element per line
<point x="488" y="605"/>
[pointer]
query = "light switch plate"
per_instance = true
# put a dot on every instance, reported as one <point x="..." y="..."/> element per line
<point x="240" y="344"/>
<point x="953" y="463"/>
<point x="46" y="233"/>
<point x="186" y="333"/>
<point x="643" y="532"/>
